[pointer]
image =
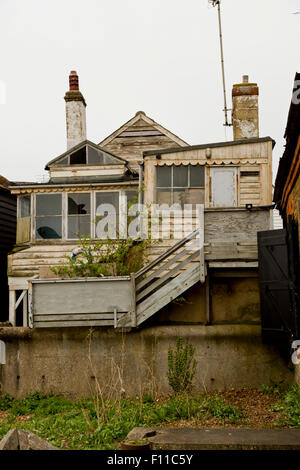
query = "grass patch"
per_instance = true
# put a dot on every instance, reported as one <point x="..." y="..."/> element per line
<point x="288" y="407"/>
<point x="92" y="424"/>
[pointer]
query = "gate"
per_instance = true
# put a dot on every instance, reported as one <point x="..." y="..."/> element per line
<point x="278" y="288"/>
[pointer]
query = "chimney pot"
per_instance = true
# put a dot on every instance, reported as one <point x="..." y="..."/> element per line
<point x="73" y="81"/>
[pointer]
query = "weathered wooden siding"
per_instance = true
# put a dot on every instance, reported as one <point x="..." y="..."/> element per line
<point x="139" y="134"/>
<point x="229" y="235"/>
<point x="252" y="160"/>
<point x="8" y="213"/>
<point x="79" y="302"/>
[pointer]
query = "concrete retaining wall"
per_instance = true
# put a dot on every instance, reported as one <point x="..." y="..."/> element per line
<point x="72" y="362"/>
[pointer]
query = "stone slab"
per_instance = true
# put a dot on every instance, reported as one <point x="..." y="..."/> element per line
<point x="19" y="439"/>
<point x="218" y="439"/>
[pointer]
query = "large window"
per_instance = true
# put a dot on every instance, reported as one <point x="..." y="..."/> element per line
<point x="183" y="184"/>
<point x="79" y="215"/>
<point x="107" y="214"/>
<point x="48" y="220"/>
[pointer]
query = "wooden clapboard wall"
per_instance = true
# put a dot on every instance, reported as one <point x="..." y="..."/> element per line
<point x="137" y="135"/>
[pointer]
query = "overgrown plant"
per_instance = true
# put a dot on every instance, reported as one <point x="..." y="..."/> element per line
<point x="181" y="366"/>
<point x="107" y="257"/>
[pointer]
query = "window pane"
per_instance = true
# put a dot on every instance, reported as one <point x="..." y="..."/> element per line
<point x="79" y="225"/>
<point x="48" y="204"/>
<point x="78" y="203"/>
<point x="180" y="196"/>
<point x="197" y="176"/>
<point x="79" y="157"/>
<point x="48" y="227"/>
<point x="64" y="161"/>
<point x="95" y="156"/>
<point x="107" y="198"/>
<point x="180" y="176"/>
<point x="24" y="206"/>
<point x="163" y="176"/>
<point x="163" y="196"/>
<point x="195" y="196"/>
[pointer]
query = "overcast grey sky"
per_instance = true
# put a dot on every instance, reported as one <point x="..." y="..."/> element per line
<point x="160" y="56"/>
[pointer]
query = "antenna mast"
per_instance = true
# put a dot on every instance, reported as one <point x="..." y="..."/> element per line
<point x="218" y="3"/>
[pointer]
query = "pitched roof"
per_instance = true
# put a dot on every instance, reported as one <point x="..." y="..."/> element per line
<point x="79" y="146"/>
<point x="141" y="116"/>
<point x="137" y="135"/>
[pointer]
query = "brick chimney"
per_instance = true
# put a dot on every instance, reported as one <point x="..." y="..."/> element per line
<point x="75" y="112"/>
<point x="245" y="110"/>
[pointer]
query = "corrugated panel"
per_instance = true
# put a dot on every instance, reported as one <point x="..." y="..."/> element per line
<point x="277" y="220"/>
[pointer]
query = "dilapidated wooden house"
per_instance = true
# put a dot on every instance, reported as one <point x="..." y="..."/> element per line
<point x="231" y="180"/>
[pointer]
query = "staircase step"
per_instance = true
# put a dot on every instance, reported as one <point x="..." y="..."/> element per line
<point x="167" y="293"/>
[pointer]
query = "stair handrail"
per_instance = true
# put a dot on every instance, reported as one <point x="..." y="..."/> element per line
<point x="165" y="255"/>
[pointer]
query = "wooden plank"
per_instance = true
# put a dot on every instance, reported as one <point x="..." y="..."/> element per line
<point x="20" y="298"/>
<point x="81" y="296"/>
<point x="76" y="317"/>
<point x="140" y="133"/>
<point x="208" y="300"/>
<point x="167" y="293"/>
<point x="133" y="301"/>
<point x="165" y="266"/>
<point x="233" y="264"/>
<point x="174" y="248"/>
<point x="167" y="276"/>
<point x="12" y="310"/>
<point x="68" y="324"/>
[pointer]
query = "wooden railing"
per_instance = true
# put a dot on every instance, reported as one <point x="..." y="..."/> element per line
<point x="167" y="266"/>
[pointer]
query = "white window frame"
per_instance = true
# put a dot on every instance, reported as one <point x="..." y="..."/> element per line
<point x="33" y="226"/>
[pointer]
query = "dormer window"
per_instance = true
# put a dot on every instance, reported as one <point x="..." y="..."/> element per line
<point x="88" y="155"/>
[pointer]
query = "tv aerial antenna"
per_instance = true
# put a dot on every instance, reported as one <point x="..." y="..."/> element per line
<point x="217" y="3"/>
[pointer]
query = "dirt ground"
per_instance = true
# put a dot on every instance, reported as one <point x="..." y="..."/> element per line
<point x="254" y="405"/>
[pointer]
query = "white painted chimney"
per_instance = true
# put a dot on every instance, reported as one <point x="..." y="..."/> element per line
<point x="245" y="110"/>
<point x="75" y="112"/>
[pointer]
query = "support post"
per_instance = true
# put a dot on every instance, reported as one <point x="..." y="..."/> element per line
<point x="12" y="307"/>
<point x="201" y="241"/>
<point x="207" y="300"/>
<point x="133" y="301"/>
<point x="25" y="310"/>
<point x="115" y="318"/>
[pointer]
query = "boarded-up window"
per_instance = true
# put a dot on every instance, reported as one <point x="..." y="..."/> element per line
<point x="79" y="215"/>
<point x="249" y="186"/>
<point x="183" y="184"/>
<point x="48" y="216"/>
<point x="223" y="187"/>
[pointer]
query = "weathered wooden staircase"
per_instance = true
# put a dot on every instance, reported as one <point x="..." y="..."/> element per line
<point x="167" y="277"/>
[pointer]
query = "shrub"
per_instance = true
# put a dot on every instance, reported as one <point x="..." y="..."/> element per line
<point x="108" y="257"/>
<point x="181" y="366"/>
<point x="6" y="401"/>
